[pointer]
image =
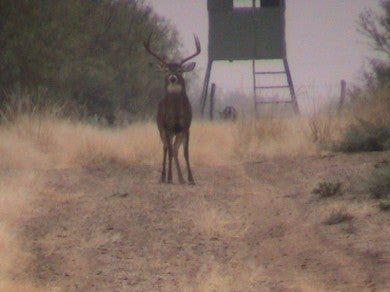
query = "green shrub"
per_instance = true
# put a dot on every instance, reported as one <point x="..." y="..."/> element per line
<point x="379" y="182"/>
<point x="365" y="136"/>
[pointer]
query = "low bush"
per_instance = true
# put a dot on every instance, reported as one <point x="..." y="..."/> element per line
<point x="328" y="189"/>
<point x="365" y="136"/>
<point x="379" y="182"/>
<point x="384" y="205"/>
<point x="337" y="217"/>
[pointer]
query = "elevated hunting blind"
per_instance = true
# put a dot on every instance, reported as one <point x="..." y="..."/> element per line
<point x="249" y="30"/>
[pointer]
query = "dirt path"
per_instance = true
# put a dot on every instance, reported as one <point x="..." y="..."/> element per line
<point x="249" y="227"/>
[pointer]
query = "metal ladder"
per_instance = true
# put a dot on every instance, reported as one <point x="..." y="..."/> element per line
<point x="258" y="99"/>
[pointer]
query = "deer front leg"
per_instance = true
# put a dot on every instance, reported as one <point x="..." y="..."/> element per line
<point x="178" y="141"/>
<point x="170" y="156"/>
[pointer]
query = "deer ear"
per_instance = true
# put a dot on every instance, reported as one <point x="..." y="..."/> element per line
<point x="188" y="67"/>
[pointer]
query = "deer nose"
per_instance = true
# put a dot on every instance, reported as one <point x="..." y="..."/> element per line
<point x="172" y="78"/>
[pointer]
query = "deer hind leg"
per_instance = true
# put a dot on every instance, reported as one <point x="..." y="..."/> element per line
<point x="187" y="158"/>
<point x="170" y="156"/>
<point x="178" y="141"/>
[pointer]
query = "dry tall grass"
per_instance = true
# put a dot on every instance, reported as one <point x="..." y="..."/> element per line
<point x="43" y="140"/>
<point x="32" y="142"/>
<point x="372" y="106"/>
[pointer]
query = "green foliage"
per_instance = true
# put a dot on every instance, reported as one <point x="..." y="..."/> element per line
<point x="365" y="136"/>
<point x="88" y="53"/>
<point x="328" y="189"/>
<point x="376" y="28"/>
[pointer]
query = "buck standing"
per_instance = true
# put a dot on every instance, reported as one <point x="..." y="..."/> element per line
<point x="174" y="113"/>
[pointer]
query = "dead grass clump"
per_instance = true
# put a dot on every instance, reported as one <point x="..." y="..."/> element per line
<point x="333" y="212"/>
<point x="324" y="129"/>
<point x="236" y="275"/>
<point x="337" y="217"/>
<point x="328" y="189"/>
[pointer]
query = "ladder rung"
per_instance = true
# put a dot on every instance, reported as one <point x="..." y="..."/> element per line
<point x="270" y="72"/>
<point x="271" y="87"/>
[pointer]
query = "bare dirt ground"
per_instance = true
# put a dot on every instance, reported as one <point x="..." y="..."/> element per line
<point x="253" y="226"/>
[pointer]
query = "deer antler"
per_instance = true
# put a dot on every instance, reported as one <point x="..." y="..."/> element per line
<point x="197" y="44"/>
<point x="147" y="47"/>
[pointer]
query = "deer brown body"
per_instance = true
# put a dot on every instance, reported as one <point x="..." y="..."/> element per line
<point x="174" y="115"/>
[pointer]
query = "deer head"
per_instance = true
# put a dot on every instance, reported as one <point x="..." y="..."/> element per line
<point x="174" y="81"/>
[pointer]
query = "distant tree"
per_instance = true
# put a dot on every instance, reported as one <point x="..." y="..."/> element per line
<point x="376" y="27"/>
<point x="87" y="53"/>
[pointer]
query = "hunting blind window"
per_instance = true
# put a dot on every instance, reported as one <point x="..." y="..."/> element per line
<point x="245" y="3"/>
<point x="258" y="3"/>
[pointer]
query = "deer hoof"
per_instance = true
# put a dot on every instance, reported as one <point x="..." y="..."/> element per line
<point x="191" y="182"/>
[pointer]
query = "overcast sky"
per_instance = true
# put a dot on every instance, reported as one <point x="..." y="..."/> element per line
<point x="323" y="44"/>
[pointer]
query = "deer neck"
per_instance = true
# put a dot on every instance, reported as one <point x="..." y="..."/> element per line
<point x="175" y="89"/>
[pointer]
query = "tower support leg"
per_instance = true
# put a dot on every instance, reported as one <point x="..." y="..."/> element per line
<point x="291" y="86"/>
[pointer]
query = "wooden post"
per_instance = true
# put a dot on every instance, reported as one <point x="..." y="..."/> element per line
<point x="343" y="92"/>
<point x="205" y="88"/>
<point x="212" y="94"/>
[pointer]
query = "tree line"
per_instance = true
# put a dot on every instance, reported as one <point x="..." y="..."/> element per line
<point x="87" y="54"/>
<point x="376" y="28"/>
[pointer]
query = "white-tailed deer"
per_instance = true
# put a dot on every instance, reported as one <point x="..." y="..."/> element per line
<point x="174" y="113"/>
<point x="229" y="113"/>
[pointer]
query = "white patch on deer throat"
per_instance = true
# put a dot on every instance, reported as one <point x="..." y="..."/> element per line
<point x="174" y="88"/>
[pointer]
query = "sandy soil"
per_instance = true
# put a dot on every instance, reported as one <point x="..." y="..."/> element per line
<point x="254" y="226"/>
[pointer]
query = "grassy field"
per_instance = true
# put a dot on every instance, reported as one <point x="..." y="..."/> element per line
<point x="33" y="142"/>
